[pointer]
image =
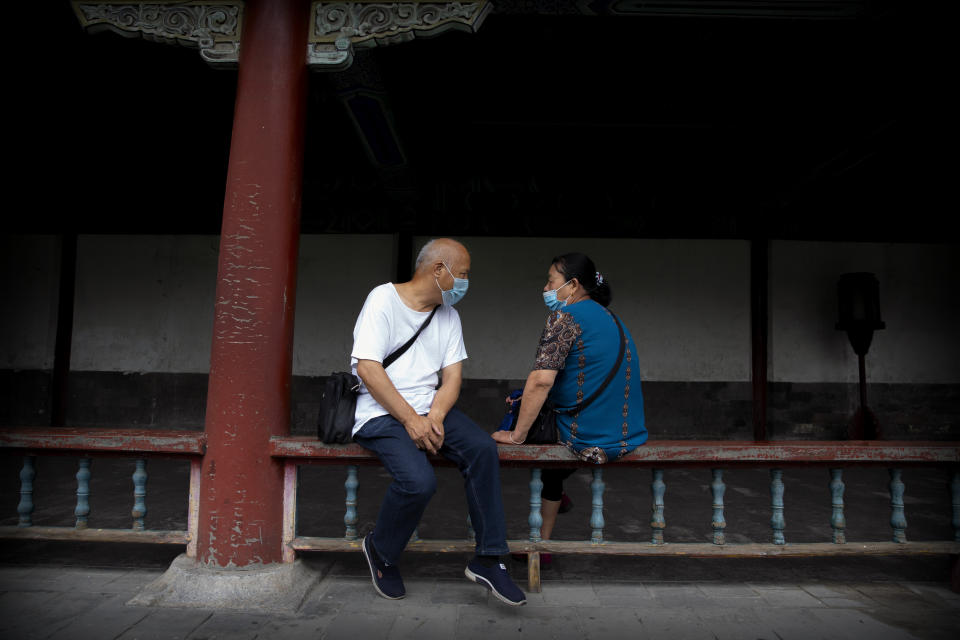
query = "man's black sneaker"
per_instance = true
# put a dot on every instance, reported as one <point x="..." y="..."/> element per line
<point x="497" y="580"/>
<point x="386" y="577"/>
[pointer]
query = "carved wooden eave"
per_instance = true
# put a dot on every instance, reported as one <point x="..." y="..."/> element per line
<point x="336" y="28"/>
<point x="212" y="26"/>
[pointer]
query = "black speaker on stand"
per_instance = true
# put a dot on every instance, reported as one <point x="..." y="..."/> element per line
<point x="858" y="296"/>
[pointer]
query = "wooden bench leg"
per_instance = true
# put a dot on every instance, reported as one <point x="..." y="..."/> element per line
<point x="533" y="572"/>
<point x="289" y="526"/>
<point x="193" y="509"/>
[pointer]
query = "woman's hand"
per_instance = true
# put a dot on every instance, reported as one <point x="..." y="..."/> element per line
<point x="507" y="437"/>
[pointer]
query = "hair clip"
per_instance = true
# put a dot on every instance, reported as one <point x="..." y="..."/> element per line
<point x="599" y="278"/>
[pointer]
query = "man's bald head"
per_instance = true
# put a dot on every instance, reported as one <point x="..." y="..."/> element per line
<point x="445" y="250"/>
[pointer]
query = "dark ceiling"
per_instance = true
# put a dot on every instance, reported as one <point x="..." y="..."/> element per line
<point x="649" y="126"/>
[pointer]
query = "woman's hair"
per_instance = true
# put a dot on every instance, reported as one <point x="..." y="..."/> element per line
<point x="581" y="267"/>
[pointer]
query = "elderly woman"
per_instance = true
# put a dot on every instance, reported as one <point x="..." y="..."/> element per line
<point x="578" y="349"/>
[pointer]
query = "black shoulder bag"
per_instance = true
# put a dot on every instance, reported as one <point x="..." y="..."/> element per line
<point x="544" y="427"/>
<point x="338" y="402"/>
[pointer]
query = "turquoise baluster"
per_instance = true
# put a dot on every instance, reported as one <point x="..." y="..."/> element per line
<point x="837" y="521"/>
<point x="139" y="494"/>
<point x="596" y="518"/>
<point x="83" y="494"/>
<point x="718" y="488"/>
<point x="777" y="523"/>
<point x="536" y="519"/>
<point x="25" y="506"/>
<point x="955" y="492"/>
<point x="350" y="516"/>
<point x="898" y="519"/>
<point x="657" y="523"/>
<point x="471" y="534"/>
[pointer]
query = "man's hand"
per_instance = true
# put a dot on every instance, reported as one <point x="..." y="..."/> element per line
<point x="424" y="433"/>
<point x="436" y="424"/>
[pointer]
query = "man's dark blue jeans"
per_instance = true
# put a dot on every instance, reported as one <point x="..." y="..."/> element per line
<point x="414" y="482"/>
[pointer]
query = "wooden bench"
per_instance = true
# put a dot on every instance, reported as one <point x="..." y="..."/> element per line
<point x="658" y="456"/>
<point x="141" y="444"/>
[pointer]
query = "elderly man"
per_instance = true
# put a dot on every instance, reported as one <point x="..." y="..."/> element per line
<point x="402" y="415"/>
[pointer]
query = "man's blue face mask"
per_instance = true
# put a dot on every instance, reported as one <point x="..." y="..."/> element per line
<point x="460" y="286"/>
<point x="550" y="298"/>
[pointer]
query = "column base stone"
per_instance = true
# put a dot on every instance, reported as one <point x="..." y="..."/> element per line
<point x="275" y="587"/>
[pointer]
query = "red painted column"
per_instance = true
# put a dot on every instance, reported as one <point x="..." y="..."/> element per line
<point x="250" y="366"/>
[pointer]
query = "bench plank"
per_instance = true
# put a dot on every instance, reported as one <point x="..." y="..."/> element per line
<point x="668" y="453"/>
<point x="51" y="440"/>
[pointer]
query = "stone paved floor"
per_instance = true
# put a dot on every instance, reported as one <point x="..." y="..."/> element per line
<point x="80" y="593"/>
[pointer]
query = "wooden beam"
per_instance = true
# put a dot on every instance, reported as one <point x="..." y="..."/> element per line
<point x="691" y="550"/>
<point x="65" y="308"/>
<point x="759" y="313"/>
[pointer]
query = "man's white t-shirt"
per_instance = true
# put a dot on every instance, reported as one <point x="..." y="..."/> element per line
<point x="384" y="325"/>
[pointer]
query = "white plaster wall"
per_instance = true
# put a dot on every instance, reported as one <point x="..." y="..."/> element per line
<point x="335" y="274"/>
<point x="144" y="303"/>
<point x="686" y="303"/>
<point x="29" y="283"/>
<point x="918" y="302"/>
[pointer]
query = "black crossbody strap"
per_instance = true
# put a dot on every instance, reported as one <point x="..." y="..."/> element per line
<point x="580" y="406"/>
<point x="390" y="359"/>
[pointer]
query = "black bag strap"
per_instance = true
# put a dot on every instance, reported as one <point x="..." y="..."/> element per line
<point x="390" y="359"/>
<point x="580" y="406"/>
